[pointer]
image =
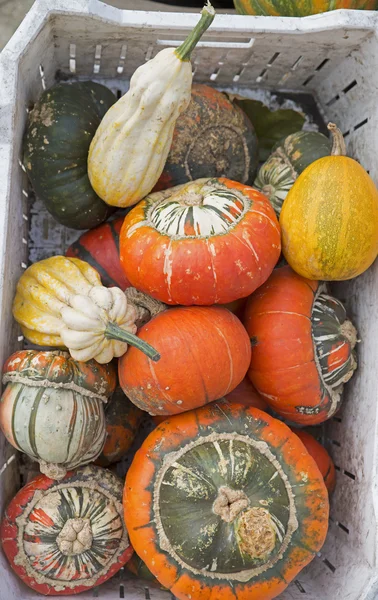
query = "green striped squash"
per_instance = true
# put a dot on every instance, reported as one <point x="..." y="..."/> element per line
<point x="60" y="424"/>
<point x="288" y="159"/>
<point x="299" y="8"/>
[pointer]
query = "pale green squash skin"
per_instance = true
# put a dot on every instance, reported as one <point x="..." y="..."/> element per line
<point x="288" y="159"/>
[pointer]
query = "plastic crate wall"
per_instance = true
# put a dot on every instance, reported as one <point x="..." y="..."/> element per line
<point x="334" y="57"/>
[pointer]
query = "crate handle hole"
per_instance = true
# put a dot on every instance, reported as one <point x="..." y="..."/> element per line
<point x="307" y="81"/>
<point x="297" y="63"/>
<point x="42" y="76"/>
<point x="343" y="527"/>
<point x="350" y="475"/>
<point x="274" y="58"/>
<point x="97" y="59"/>
<point x="333" y="100"/>
<point x="329" y="565"/>
<point x="360" y="124"/>
<point x="350" y="86"/>
<point x="322" y="64"/>
<point x="300" y="587"/>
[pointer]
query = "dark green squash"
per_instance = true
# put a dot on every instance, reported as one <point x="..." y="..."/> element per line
<point x="289" y="158"/>
<point x="60" y="129"/>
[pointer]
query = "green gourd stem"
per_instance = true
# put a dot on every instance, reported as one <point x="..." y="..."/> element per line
<point x="113" y="332"/>
<point x="338" y="147"/>
<point x="184" y="51"/>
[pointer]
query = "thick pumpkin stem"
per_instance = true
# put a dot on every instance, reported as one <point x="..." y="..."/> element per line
<point x="230" y="503"/>
<point x="114" y="332"/>
<point x="145" y="306"/>
<point x="76" y="537"/>
<point x="184" y="51"/>
<point x="338" y="147"/>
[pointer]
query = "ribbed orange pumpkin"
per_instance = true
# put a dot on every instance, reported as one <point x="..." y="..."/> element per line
<point x="210" y="241"/>
<point x="204" y="354"/>
<point x="302" y="347"/>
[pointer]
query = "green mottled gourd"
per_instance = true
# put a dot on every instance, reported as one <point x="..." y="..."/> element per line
<point x="59" y="132"/>
<point x="288" y="159"/>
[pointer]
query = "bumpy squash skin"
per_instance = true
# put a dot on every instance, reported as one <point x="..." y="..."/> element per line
<point x="99" y="247"/>
<point x="32" y="524"/>
<point x="329" y="220"/>
<point x="320" y="456"/>
<point x="288" y="160"/>
<point x="299" y="8"/>
<point x="212" y="138"/>
<point x="122" y="419"/>
<point x="206" y="435"/>
<point x="302" y="347"/>
<point x="210" y="241"/>
<point x="60" y="129"/>
<point x="52" y="408"/>
<point x="205" y="353"/>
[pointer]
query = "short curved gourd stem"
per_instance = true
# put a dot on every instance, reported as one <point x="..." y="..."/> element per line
<point x="114" y="332"/>
<point x="146" y="307"/>
<point x="184" y="51"/>
<point x="338" y="147"/>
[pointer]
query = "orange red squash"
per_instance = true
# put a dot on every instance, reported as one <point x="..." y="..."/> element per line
<point x="210" y="241"/>
<point x="321" y="457"/>
<point x="225" y="504"/>
<point x="302" y="347"/>
<point x="204" y="354"/>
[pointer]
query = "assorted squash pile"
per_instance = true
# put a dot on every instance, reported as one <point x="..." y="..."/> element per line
<point x="231" y="349"/>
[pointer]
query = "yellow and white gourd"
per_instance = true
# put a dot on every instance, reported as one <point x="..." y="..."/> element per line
<point x="130" y="148"/>
<point x="60" y="302"/>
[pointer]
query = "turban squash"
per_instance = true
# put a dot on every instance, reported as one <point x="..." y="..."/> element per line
<point x="302" y="347"/>
<point x="52" y="408"/>
<point x="66" y="537"/>
<point x="225" y="503"/>
<point x="210" y="241"/>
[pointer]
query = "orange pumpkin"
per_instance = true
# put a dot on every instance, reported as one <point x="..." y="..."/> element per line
<point x="204" y="354"/>
<point x="246" y="394"/>
<point x="320" y="456"/>
<point x="210" y="241"/>
<point x="122" y="420"/>
<point x="302" y="347"/>
<point x="225" y="503"/>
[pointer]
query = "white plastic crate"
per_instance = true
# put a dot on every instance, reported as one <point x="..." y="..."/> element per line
<point x="332" y="56"/>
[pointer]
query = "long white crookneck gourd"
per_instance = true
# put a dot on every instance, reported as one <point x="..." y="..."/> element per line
<point x="130" y="148"/>
<point x="60" y="302"/>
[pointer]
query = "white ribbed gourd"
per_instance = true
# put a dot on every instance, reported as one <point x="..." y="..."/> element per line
<point x="60" y="302"/>
<point x="130" y="148"/>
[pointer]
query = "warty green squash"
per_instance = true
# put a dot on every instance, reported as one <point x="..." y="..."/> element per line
<point x="289" y="158"/>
